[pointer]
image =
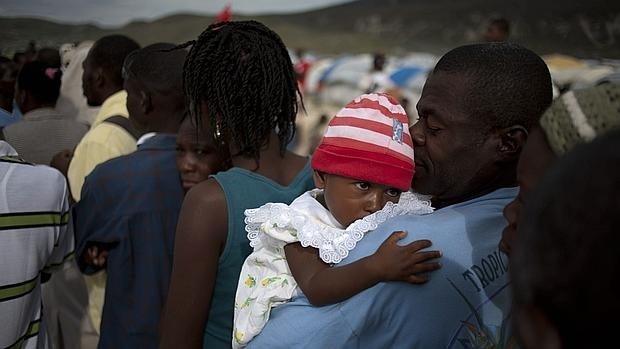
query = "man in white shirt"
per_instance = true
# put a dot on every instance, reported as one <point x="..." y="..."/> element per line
<point x="36" y="236"/>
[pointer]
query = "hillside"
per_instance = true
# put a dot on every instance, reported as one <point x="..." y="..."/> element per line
<point x="588" y="29"/>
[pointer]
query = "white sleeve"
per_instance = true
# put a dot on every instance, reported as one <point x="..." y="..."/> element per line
<point x="65" y="244"/>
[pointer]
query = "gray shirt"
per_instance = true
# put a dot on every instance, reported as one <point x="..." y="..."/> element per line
<point x="42" y="133"/>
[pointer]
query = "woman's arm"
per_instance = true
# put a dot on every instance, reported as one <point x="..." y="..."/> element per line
<point x="324" y="285"/>
<point x="200" y="238"/>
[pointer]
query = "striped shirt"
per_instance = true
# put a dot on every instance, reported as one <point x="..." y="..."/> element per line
<point x="35" y="236"/>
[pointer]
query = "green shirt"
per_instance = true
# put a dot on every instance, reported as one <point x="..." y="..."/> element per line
<point x="243" y="190"/>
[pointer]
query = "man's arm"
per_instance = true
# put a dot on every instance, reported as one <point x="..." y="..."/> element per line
<point x="95" y="228"/>
<point x="64" y="245"/>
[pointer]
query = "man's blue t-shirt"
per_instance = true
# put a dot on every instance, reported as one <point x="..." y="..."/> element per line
<point x="7" y="118"/>
<point x="131" y="204"/>
<point x="466" y="304"/>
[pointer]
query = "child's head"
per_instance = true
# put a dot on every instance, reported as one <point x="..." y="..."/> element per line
<point x="365" y="158"/>
<point x="197" y="155"/>
<point x="238" y="78"/>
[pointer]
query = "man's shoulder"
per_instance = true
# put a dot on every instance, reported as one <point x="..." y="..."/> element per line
<point x="437" y="220"/>
<point x="36" y="173"/>
<point x="135" y="184"/>
<point x="33" y="176"/>
<point x="458" y="215"/>
<point x="444" y="227"/>
<point x="46" y="126"/>
<point x="130" y="167"/>
<point x="107" y="131"/>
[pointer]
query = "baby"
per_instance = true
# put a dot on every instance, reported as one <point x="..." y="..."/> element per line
<point x="363" y="170"/>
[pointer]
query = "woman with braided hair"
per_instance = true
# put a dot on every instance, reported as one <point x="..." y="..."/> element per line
<point x="240" y="82"/>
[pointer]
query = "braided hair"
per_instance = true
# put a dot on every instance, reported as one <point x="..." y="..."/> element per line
<point x="242" y="75"/>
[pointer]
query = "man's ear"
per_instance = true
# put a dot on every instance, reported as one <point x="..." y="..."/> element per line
<point x="145" y="102"/>
<point x="319" y="179"/>
<point x="99" y="77"/>
<point x="511" y="141"/>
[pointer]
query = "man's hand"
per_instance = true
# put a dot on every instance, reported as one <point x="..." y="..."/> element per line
<point x="96" y="256"/>
<point x="62" y="160"/>
<point x="404" y="263"/>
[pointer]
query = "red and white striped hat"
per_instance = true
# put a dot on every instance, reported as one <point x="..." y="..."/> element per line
<point x="368" y="140"/>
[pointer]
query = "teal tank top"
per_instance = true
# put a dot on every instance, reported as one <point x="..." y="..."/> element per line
<point x="244" y="190"/>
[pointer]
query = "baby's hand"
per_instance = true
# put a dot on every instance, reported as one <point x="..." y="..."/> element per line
<point x="404" y="263"/>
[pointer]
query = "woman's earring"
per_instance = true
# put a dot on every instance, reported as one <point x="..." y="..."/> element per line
<point x="218" y="133"/>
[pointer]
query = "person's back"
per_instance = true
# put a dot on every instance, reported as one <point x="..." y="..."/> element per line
<point x="239" y="80"/>
<point x="42" y="132"/>
<point x="144" y="196"/>
<point x="244" y="190"/>
<point x="472" y="287"/>
<point x="129" y="205"/>
<point x="36" y="237"/>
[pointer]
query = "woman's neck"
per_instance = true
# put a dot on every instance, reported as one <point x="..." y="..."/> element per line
<point x="268" y="154"/>
<point x="281" y="168"/>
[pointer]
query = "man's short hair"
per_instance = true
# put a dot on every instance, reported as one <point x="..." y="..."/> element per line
<point x="508" y="84"/>
<point x="109" y="53"/>
<point x="566" y="261"/>
<point x="159" y="67"/>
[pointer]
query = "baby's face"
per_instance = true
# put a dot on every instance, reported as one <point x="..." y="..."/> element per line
<point x="351" y="199"/>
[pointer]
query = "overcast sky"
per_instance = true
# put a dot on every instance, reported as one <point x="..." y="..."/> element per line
<point x="118" y="12"/>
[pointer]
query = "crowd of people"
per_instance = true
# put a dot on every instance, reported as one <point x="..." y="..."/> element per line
<point x="149" y="199"/>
